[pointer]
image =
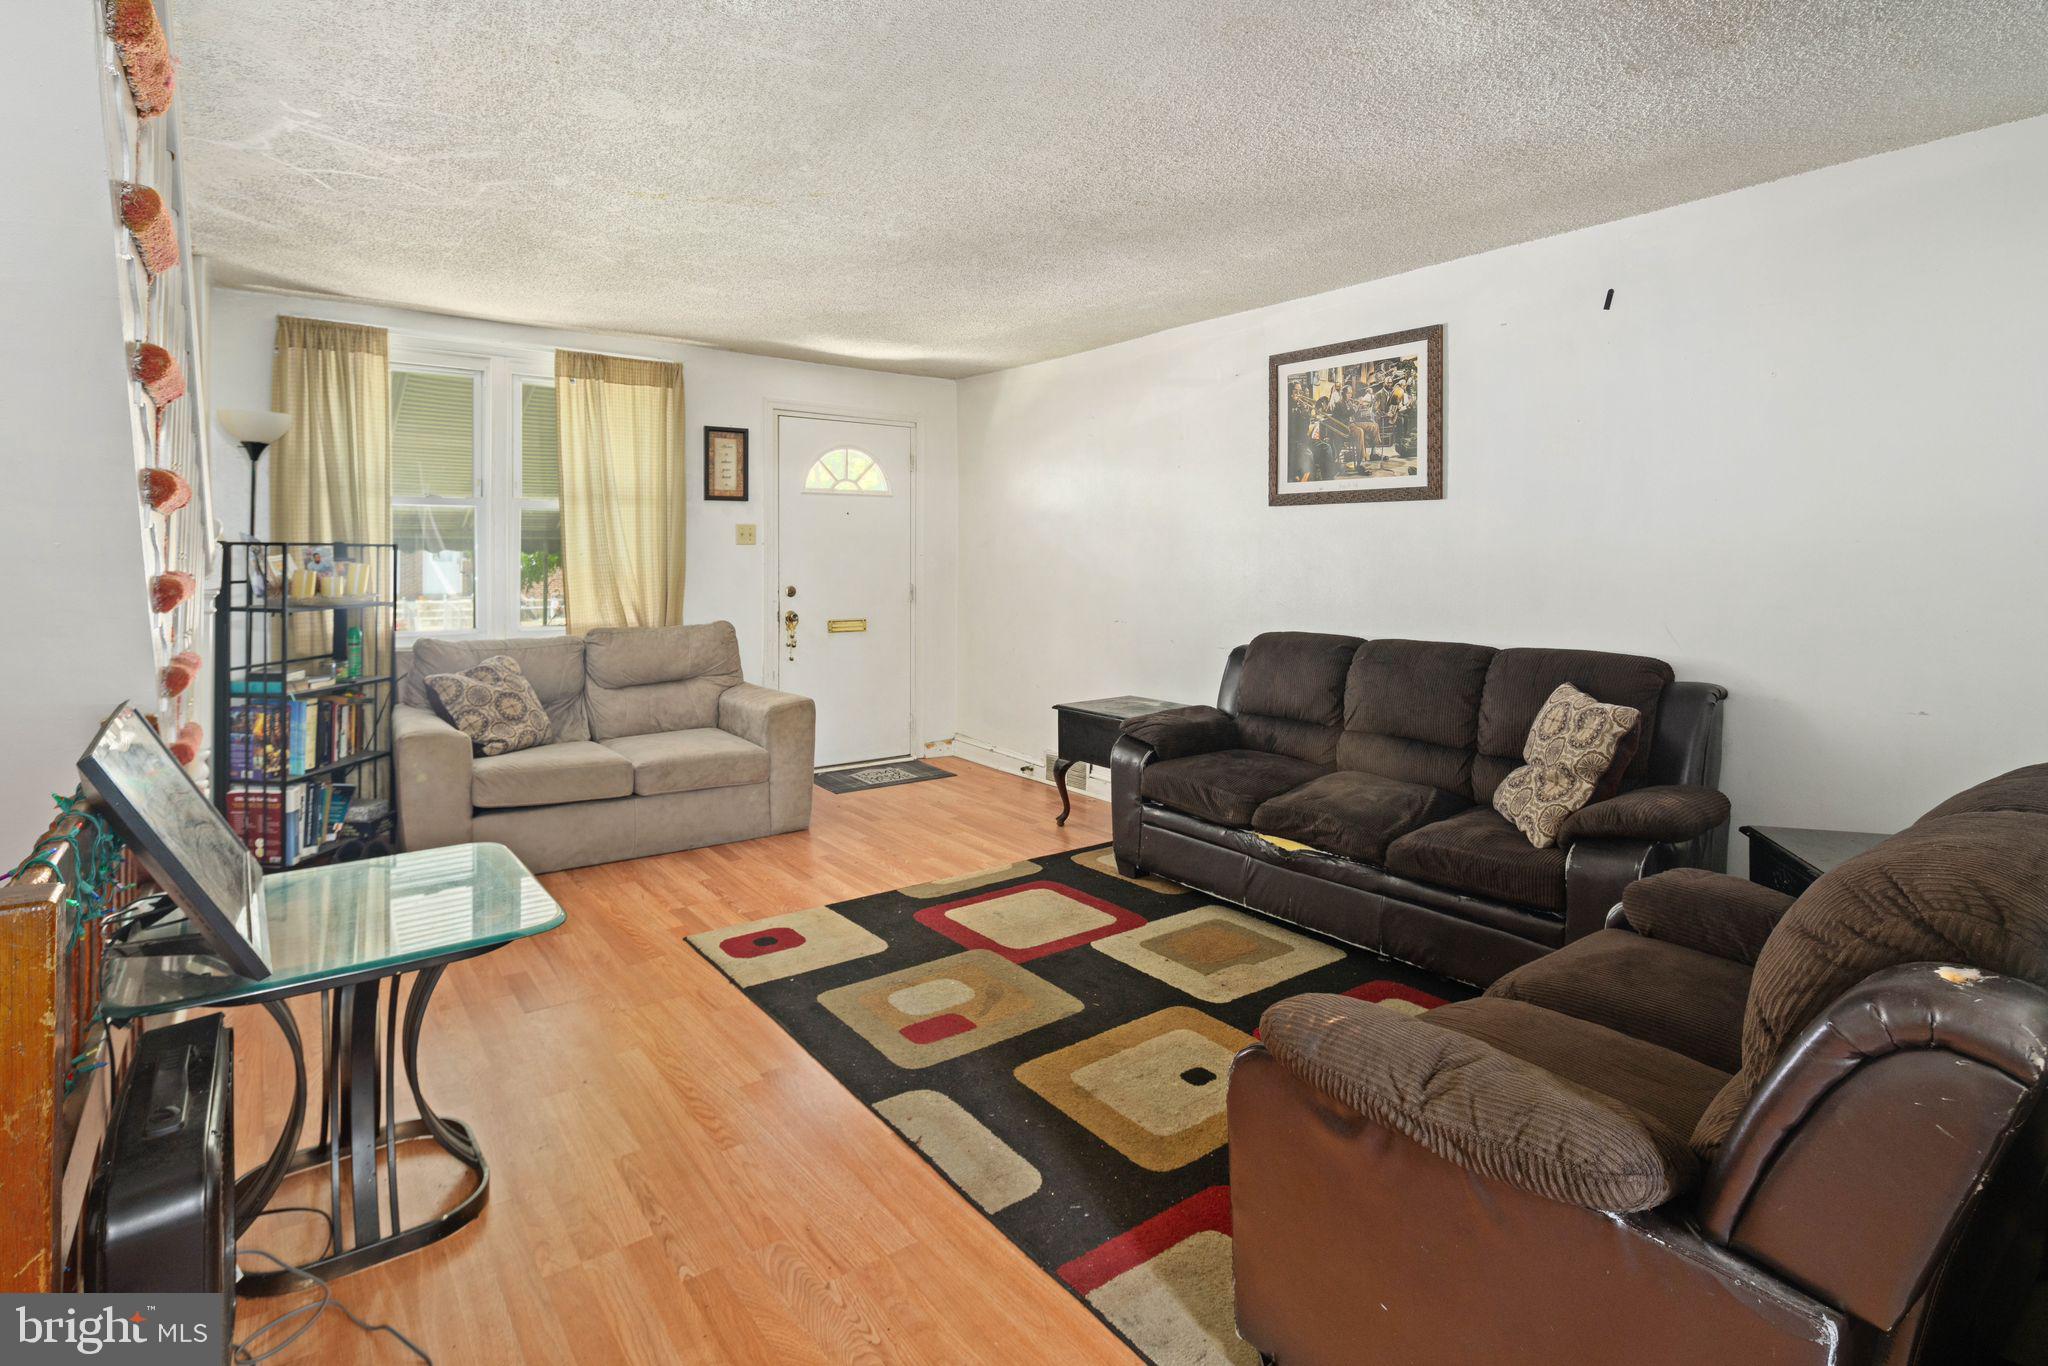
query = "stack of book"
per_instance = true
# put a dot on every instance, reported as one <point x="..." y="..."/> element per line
<point x="276" y="737"/>
<point x="281" y="825"/>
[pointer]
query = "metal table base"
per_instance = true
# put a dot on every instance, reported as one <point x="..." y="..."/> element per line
<point x="359" y="1088"/>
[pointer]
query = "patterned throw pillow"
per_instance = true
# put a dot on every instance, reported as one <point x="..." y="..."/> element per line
<point x="493" y="705"/>
<point x="1574" y="743"/>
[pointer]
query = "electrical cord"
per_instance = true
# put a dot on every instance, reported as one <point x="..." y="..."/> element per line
<point x="243" y="1353"/>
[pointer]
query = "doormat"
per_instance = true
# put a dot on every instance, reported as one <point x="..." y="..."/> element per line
<point x="1055" y="1038"/>
<point x="869" y="776"/>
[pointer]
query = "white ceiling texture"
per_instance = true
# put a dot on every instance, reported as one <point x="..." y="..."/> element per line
<point x="953" y="188"/>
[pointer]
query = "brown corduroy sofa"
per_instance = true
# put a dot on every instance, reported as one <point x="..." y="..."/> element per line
<point x="1383" y="757"/>
<point x="1733" y="1127"/>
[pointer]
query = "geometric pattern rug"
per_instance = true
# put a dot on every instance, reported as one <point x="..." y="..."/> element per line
<point x="1056" y="1040"/>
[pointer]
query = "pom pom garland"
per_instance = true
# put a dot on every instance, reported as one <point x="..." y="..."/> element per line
<point x="185" y="749"/>
<point x="151" y="225"/>
<point x="165" y="490"/>
<point x="159" y="374"/>
<point x="170" y="588"/>
<point x="145" y="55"/>
<point x="179" y="673"/>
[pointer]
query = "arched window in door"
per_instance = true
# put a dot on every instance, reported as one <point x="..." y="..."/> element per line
<point x="846" y="470"/>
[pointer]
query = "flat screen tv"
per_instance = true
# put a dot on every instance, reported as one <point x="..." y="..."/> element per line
<point x="179" y="838"/>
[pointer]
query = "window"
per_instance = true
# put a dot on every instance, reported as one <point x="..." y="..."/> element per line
<point x="846" y="470"/>
<point x="540" y="507"/>
<point x="475" y="492"/>
<point x="436" y="497"/>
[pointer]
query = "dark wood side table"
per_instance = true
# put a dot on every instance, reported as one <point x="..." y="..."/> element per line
<point x="1088" y="730"/>
<point x="1790" y="859"/>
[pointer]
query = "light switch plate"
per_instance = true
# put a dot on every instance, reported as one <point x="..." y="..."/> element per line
<point x="746" y="533"/>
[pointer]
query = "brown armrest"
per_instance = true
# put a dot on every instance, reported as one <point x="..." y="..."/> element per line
<point x="1897" y="1113"/>
<point x="1183" y="731"/>
<point x="1672" y="814"/>
<point x="1472" y="1104"/>
<point x="1712" y="912"/>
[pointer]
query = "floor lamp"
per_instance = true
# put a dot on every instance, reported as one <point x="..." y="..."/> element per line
<point x="256" y="431"/>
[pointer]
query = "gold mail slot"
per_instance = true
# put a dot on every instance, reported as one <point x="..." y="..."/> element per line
<point x="838" y="624"/>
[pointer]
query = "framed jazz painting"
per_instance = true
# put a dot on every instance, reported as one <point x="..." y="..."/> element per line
<point x="1358" y="422"/>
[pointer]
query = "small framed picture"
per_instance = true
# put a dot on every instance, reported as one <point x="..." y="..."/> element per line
<point x="725" y="464"/>
<point x="1358" y="421"/>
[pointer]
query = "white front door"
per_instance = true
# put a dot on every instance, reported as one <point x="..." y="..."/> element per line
<point x="842" y="606"/>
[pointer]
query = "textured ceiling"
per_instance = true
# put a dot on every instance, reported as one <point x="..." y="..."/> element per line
<point x="948" y="188"/>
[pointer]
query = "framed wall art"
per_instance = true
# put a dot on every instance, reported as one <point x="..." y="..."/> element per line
<point x="725" y="464"/>
<point x="1358" y="421"/>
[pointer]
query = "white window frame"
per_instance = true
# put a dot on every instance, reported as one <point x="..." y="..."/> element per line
<point x="520" y="503"/>
<point x="497" y="499"/>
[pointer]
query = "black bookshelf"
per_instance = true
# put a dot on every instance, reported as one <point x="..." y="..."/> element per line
<point x="293" y="732"/>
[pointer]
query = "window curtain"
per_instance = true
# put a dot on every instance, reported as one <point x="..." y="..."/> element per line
<point x="330" y="475"/>
<point x="621" y="434"/>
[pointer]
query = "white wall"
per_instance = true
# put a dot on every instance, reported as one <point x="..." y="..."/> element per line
<point x="73" y="616"/>
<point x="721" y="389"/>
<point x="1805" y="456"/>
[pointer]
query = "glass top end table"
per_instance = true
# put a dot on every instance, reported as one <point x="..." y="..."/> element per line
<point x="343" y="922"/>
<point x="350" y="932"/>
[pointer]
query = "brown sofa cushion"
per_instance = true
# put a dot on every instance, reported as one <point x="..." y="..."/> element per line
<point x="1480" y="1106"/>
<point x="658" y="678"/>
<point x="1519" y="682"/>
<point x="1664" y="1087"/>
<point x="690" y="760"/>
<point x="1183" y="731"/>
<point x="1575" y="742"/>
<point x="1671" y="812"/>
<point x="1290" y="693"/>
<point x="1663" y="993"/>
<point x="1353" y="813"/>
<point x="1729" y="917"/>
<point x="1963" y="885"/>
<point x="493" y="704"/>
<point x="2023" y="789"/>
<point x="1477" y="851"/>
<point x="552" y="664"/>
<point x="1225" y="786"/>
<point x="550" y="775"/>
<point x="1411" y="711"/>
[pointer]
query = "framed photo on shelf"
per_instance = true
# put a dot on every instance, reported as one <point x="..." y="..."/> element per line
<point x="1358" y="421"/>
<point x="725" y="464"/>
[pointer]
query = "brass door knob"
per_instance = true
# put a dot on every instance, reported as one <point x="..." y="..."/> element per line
<point x="789" y="618"/>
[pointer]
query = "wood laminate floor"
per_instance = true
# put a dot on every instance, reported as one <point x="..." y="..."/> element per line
<point x="673" y="1179"/>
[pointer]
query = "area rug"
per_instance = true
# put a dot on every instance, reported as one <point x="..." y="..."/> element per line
<point x="1055" y="1039"/>
<point x="866" y="777"/>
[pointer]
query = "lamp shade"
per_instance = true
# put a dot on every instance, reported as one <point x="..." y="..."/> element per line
<point x="248" y="425"/>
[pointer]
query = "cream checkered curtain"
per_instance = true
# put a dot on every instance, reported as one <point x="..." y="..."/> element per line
<point x="330" y="475"/>
<point x="621" y="432"/>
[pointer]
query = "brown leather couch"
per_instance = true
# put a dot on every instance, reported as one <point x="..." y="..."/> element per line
<point x="1732" y="1128"/>
<point x="1383" y="757"/>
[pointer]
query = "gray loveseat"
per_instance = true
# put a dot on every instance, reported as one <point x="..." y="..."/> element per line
<point x="658" y="745"/>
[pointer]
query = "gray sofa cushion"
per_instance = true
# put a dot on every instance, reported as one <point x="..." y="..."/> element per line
<point x="549" y="775"/>
<point x="552" y="664"/>
<point x="663" y="678"/>
<point x="690" y="760"/>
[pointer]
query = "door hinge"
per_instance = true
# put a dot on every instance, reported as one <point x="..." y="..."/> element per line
<point x="913" y="592"/>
